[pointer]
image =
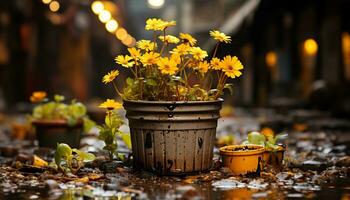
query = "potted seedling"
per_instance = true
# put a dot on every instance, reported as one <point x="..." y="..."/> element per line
<point x="274" y="152"/>
<point x="172" y="100"/>
<point x="243" y="159"/>
<point x="110" y="129"/>
<point x="58" y="122"/>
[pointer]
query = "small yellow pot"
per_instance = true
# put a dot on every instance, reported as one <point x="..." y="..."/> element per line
<point x="274" y="157"/>
<point x="243" y="159"/>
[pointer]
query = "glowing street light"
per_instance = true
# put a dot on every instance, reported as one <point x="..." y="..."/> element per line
<point x="104" y="16"/>
<point x="310" y="46"/>
<point x="111" y="25"/>
<point x="96" y="7"/>
<point x="155" y="4"/>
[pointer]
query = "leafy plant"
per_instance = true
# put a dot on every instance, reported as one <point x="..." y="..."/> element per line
<point x="173" y="68"/>
<point x="110" y="129"/>
<point x="58" y="110"/>
<point x="71" y="160"/>
<point x="269" y="141"/>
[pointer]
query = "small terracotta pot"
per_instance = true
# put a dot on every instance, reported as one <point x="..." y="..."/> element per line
<point x="243" y="162"/>
<point x="51" y="132"/>
<point x="274" y="157"/>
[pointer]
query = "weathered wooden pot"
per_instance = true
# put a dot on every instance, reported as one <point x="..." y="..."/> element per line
<point x="173" y="138"/>
<point x="243" y="159"/>
<point x="51" y="132"/>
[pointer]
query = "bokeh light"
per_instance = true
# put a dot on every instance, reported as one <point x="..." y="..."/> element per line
<point x="104" y="16"/>
<point x="54" y="6"/>
<point x="46" y="1"/>
<point x="97" y="7"/>
<point x="155" y="4"/>
<point x="310" y="47"/>
<point x="121" y="33"/>
<point x="271" y="59"/>
<point x="111" y="25"/>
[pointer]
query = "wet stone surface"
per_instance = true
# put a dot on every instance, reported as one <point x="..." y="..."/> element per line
<point x="316" y="165"/>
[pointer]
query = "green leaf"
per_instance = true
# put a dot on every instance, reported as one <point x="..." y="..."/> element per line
<point x="280" y="137"/>
<point x="84" y="156"/>
<point x="58" y="98"/>
<point x="126" y="138"/>
<point x="229" y="86"/>
<point x="88" y="124"/>
<point x="256" y="138"/>
<point x="130" y="81"/>
<point x="62" y="151"/>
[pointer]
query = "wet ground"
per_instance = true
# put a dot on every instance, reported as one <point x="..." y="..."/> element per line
<point x="316" y="165"/>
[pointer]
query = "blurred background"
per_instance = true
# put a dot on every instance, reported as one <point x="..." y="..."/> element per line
<point x="296" y="53"/>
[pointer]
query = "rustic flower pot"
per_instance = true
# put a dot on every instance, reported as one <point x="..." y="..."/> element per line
<point x="243" y="159"/>
<point x="51" y="132"/>
<point x="173" y="138"/>
<point x="274" y="157"/>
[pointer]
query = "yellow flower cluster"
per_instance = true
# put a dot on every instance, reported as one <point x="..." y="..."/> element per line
<point x="176" y="56"/>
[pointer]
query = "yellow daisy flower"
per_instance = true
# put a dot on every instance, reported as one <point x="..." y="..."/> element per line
<point x="154" y="24"/>
<point x="231" y="66"/>
<point x="187" y="38"/>
<point x="38" y="96"/>
<point x="149" y="58"/>
<point x="124" y="61"/>
<point x="134" y="53"/>
<point x="167" y="24"/>
<point x="176" y="58"/>
<point x="203" y="67"/>
<point x="181" y="49"/>
<point x="110" y="104"/>
<point x="221" y="37"/>
<point x="169" y="39"/>
<point x="167" y="66"/>
<point x="215" y="64"/>
<point x="110" y="76"/>
<point x="198" y="53"/>
<point x="146" y="45"/>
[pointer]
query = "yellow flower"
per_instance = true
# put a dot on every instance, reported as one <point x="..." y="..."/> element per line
<point x="203" y="67"/>
<point x="167" y="66"/>
<point x="149" y="58"/>
<point x="135" y="53"/>
<point x="215" y="64"/>
<point x="110" y="104"/>
<point x="154" y="24"/>
<point x="169" y="39"/>
<point x="167" y="24"/>
<point x="124" y="61"/>
<point x="221" y="37"/>
<point x="198" y="53"/>
<point x="187" y="38"/>
<point x="176" y="58"/>
<point x="146" y="45"/>
<point x="181" y="49"/>
<point x="38" y="96"/>
<point x="110" y="76"/>
<point x="231" y="66"/>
